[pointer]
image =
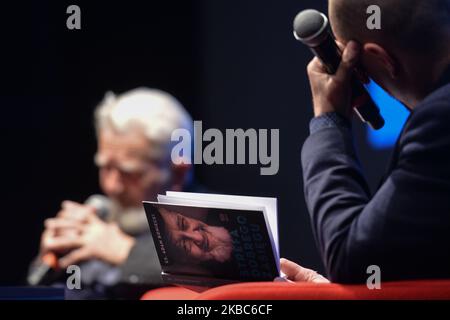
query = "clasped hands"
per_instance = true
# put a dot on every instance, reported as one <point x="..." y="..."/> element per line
<point x="77" y="234"/>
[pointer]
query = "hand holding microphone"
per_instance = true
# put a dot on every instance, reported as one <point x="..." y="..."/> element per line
<point x="56" y="240"/>
<point x="332" y="93"/>
<point x="335" y="76"/>
<point x="63" y="232"/>
<point x="78" y="233"/>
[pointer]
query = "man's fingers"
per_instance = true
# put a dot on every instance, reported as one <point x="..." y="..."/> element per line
<point x="315" y="66"/>
<point x="74" y="257"/>
<point x="351" y="53"/>
<point x="63" y="243"/>
<point x="340" y="45"/>
<point x="61" y="223"/>
<point x="48" y="232"/>
<point x="46" y="236"/>
<point x="75" y="211"/>
<point x="65" y="228"/>
<point x="318" y="278"/>
<point x="67" y="204"/>
<point x="297" y="273"/>
<point x="291" y="270"/>
<point x="350" y="59"/>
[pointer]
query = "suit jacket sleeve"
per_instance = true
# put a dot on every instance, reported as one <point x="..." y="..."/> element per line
<point x="394" y="228"/>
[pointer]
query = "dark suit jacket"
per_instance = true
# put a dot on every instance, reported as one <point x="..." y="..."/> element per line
<point x="404" y="228"/>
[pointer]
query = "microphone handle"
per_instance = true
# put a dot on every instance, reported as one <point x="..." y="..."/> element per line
<point x="329" y="54"/>
<point x="43" y="271"/>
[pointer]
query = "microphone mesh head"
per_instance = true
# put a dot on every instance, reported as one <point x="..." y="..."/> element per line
<point x="101" y="204"/>
<point x="309" y="23"/>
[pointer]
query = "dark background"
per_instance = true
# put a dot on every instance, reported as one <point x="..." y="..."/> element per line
<point x="233" y="64"/>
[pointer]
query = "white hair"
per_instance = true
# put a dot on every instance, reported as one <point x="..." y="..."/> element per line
<point x="155" y="112"/>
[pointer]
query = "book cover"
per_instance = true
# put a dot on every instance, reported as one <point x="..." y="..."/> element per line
<point x="195" y="244"/>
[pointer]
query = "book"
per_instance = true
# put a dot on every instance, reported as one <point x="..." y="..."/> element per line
<point x="208" y="240"/>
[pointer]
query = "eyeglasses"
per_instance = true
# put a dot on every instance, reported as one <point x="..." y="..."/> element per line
<point x="132" y="169"/>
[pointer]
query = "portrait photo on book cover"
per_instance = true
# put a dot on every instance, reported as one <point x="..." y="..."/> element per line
<point x="212" y="243"/>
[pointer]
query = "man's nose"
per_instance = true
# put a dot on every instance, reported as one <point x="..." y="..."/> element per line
<point x="195" y="236"/>
<point x="113" y="182"/>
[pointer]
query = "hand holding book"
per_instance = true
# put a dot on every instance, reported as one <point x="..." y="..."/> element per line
<point x="297" y="273"/>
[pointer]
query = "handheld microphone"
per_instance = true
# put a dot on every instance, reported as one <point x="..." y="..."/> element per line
<point x="47" y="267"/>
<point x="312" y="28"/>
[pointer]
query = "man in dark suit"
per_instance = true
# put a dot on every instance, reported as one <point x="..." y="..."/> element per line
<point x="404" y="228"/>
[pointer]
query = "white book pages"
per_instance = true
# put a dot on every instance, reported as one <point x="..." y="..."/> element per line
<point x="206" y="203"/>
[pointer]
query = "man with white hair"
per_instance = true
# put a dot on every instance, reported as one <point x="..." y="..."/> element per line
<point x="116" y="253"/>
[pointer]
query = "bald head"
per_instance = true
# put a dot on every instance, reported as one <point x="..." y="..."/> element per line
<point x="417" y="26"/>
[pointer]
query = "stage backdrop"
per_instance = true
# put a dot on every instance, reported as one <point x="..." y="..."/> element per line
<point x="233" y="64"/>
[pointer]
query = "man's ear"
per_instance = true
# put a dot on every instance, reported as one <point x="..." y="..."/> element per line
<point x="180" y="177"/>
<point x="382" y="58"/>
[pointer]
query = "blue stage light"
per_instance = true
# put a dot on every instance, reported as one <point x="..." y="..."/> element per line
<point x="393" y="112"/>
